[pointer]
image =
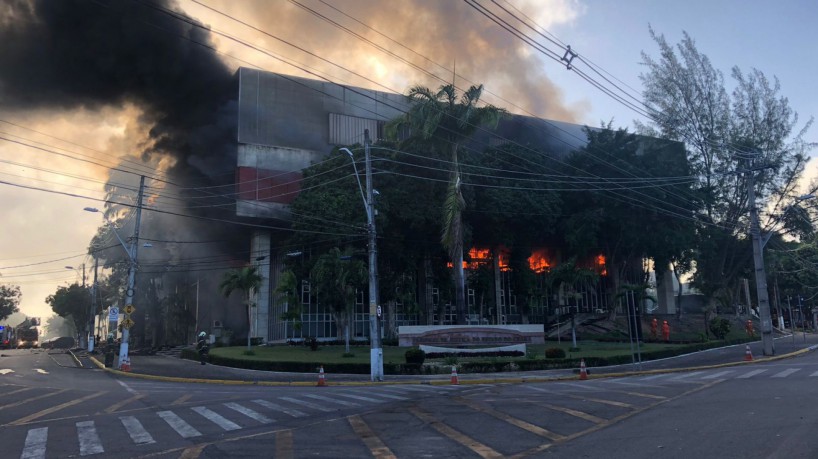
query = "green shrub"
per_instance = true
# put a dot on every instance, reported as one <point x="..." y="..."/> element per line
<point x="347" y="355"/>
<point x="415" y="356"/>
<point x="531" y="354"/>
<point x="450" y="360"/>
<point x="554" y="353"/>
<point x="249" y="352"/>
<point x="720" y="327"/>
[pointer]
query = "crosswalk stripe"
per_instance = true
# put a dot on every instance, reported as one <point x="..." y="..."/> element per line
<point x="750" y="374"/>
<point x="178" y="424"/>
<point x="35" y="444"/>
<point x="361" y="397"/>
<point x="411" y="388"/>
<point x="332" y="400"/>
<point x="216" y="418"/>
<point x="277" y="407"/>
<point x="393" y="397"/>
<point x="138" y="434"/>
<point x="648" y="378"/>
<point x="717" y="374"/>
<point x="249" y="413"/>
<point x="814" y="374"/>
<point x="687" y="375"/>
<point x="786" y="373"/>
<point x="89" y="440"/>
<point x="307" y="404"/>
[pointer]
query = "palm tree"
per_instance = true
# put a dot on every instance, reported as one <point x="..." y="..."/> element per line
<point x="247" y="280"/>
<point x="335" y="277"/>
<point x="440" y="116"/>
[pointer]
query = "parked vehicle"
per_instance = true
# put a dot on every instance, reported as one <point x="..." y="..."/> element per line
<point x="6" y="337"/>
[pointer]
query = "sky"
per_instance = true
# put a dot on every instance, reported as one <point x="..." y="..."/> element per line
<point x="44" y="232"/>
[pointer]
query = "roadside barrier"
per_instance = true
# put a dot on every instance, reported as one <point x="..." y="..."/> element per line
<point x="454" y="375"/>
<point x="748" y="355"/>
<point x="321" y="381"/>
<point x="583" y="373"/>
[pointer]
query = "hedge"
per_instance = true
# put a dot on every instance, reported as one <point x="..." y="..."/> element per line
<point x="488" y="366"/>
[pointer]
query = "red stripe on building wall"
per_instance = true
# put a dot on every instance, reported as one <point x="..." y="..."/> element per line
<point x="267" y="185"/>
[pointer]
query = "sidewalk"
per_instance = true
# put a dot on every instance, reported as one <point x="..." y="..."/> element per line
<point x="175" y="369"/>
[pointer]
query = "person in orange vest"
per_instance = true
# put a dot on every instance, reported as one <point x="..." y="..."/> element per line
<point x="654" y="329"/>
<point x="666" y="330"/>
<point x="749" y="328"/>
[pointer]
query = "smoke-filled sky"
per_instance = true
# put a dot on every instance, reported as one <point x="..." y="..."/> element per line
<point x="138" y="86"/>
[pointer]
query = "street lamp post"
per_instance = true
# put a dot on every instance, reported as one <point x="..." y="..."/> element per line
<point x="132" y="256"/>
<point x="376" y="352"/>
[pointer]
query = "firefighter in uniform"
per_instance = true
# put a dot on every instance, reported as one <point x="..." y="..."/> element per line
<point x="203" y="347"/>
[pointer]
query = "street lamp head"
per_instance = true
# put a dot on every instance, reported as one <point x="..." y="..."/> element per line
<point x="347" y="151"/>
<point x="90" y="209"/>
<point x="805" y="196"/>
<point x="69" y="267"/>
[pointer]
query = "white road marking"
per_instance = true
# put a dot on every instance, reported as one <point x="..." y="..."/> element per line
<point x="138" y="434"/>
<point x="393" y="397"/>
<point x="814" y="374"/>
<point x="648" y="378"/>
<point x="307" y="404"/>
<point x="360" y="397"/>
<point x="249" y="413"/>
<point x="717" y="374"/>
<point x="750" y="374"/>
<point x="35" y="444"/>
<point x="332" y="400"/>
<point x="178" y="424"/>
<point x="786" y="373"/>
<point x="276" y="407"/>
<point x="89" y="440"/>
<point x="5" y="371"/>
<point x="687" y="375"/>
<point x="216" y="418"/>
<point x="127" y="387"/>
<point x="41" y="371"/>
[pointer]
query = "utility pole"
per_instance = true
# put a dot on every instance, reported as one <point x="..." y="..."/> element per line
<point x="92" y="313"/>
<point x="760" y="272"/>
<point x="376" y="352"/>
<point x="123" y="349"/>
<point x="801" y="319"/>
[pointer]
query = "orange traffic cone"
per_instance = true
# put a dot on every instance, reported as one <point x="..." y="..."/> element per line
<point x="454" y="375"/>
<point x="583" y="373"/>
<point x="321" y="381"/>
<point x="748" y="356"/>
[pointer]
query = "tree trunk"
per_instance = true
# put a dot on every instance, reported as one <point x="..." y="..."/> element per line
<point x="498" y="284"/>
<point x="460" y="287"/>
<point x="391" y="328"/>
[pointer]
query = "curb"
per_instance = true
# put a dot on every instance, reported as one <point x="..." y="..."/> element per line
<point x="445" y="382"/>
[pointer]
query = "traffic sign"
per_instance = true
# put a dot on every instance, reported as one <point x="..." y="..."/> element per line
<point x="127" y="323"/>
<point x="113" y="314"/>
<point x="129" y="309"/>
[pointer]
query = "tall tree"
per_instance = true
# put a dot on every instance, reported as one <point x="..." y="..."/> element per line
<point x="72" y="301"/>
<point x="725" y="134"/>
<point x="9" y="300"/>
<point x="245" y="280"/>
<point x="336" y="277"/>
<point x="630" y="180"/>
<point x="449" y="121"/>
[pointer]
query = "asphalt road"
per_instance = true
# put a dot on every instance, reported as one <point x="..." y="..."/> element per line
<point x="51" y="408"/>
